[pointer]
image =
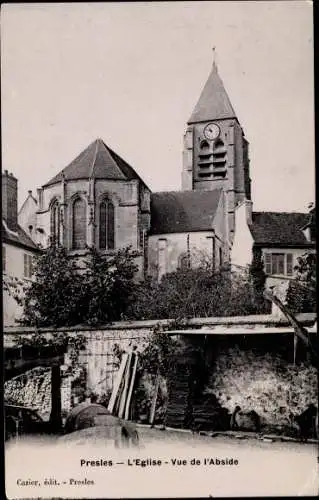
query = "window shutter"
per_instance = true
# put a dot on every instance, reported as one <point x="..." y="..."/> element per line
<point x="268" y="263"/>
<point x="30" y="265"/>
<point x="289" y="264"/>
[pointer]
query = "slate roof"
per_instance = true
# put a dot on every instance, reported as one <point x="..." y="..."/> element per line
<point x="183" y="211"/>
<point x="214" y="102"/>
<point x="282" y="229"/>
<point x="18" y="238"/>
<point x="98" y="161"/>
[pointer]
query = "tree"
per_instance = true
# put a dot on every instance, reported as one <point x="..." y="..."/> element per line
<point x="258" y="278"/>
<point x="199" y="292"/>
<point x="63" y="293"/>
<point x="301" y="295"/>
<point x="110" y="285"/>
<point x="55" y="296"/>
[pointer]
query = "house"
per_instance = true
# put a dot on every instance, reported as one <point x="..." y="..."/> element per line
<point x="18" y="249"/>
<point x="278" y="238"/>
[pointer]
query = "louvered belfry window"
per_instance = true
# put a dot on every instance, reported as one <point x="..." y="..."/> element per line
<point x="106" y="229"/>
<point x="79" y="224"/>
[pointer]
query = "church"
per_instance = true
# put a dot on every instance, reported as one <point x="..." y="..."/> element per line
<point x="99" y="199"/>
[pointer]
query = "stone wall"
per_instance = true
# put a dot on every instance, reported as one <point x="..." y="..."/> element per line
<point x="32" y="389"/>
<point x="101" y="359"/>
<point x="255" y="371"/>
<point x="263" y="379"/>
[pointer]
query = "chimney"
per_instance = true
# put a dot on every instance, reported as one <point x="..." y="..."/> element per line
<point x="10" y="200"/>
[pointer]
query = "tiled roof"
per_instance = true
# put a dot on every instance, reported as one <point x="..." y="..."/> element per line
<point x="98" y="161"/>
<point x="183" y="211"/>
<point x="214" y="102"/>
<point x="279" y="228"/>
<point x="19" y="238"/>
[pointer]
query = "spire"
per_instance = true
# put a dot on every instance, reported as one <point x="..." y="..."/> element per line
<point x="214" y="102"/>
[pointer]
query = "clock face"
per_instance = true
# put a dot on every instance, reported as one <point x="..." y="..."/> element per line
<point x="211" y="131"/>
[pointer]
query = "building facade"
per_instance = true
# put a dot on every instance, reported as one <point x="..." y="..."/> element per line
<point x="18" y="250"/>
<point x="100" y="200"/>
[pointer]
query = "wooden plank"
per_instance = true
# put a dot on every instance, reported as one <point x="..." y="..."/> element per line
<point x="126" y="385"/>
<point x="153" y="406"/>
<point x="300" y="331"/>
<point x="130" y="392"/>
<point x="117" y="382"/>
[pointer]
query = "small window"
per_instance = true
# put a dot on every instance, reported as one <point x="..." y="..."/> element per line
<point x="218" y="144"/>
<point x="27" y="265"/>
<point x="204" y="145"/>
<point x="279" y="263"/>
<point x="184" y="261"/>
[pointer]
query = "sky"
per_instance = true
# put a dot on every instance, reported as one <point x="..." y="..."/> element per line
<point x="131" y="74"/>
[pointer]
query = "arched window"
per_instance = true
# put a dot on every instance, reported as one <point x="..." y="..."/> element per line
<point x="204" y="145"/>
<point x="55" y="223"/>
<point x="106" y="226"/>
<point x="218" y="144"/>
<point x="79" y="224"/>
<point x="184" y="261"/>
<point x="110" y="225"/>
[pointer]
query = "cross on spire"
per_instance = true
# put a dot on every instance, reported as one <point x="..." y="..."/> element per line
<point x="214" y="57"/>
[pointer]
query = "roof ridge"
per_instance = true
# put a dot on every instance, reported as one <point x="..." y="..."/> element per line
<point x="94" y="157"/>
<point x="188" y="191"/>
<point x="277" y="212"/>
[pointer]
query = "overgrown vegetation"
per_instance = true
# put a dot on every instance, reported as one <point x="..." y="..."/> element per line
<point x="200" y="292"/>
<point x="302" y="296"/>
<point x="105" y="289"/>
<point x="64" y="294"/>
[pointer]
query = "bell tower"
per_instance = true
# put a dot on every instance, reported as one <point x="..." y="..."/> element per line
<point x="215" y="148"/>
